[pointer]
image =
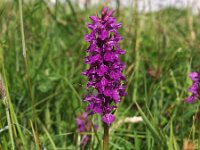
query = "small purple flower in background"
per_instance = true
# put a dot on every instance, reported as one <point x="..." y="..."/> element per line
<point x="85" y="125"/>
<point x="105" y="71"/>
<point x="195" y="88"/>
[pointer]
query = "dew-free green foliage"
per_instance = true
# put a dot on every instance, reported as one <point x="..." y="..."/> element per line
<point x="45" y="89"/>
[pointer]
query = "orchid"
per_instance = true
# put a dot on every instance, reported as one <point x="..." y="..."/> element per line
<point x="194" y="89"/>
<point x="105" y="69"/>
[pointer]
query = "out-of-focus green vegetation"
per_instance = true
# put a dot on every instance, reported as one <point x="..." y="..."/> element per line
<point x="45" y="89"/>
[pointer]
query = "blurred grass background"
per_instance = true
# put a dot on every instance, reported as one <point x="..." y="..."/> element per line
<point x="45" y="88"/>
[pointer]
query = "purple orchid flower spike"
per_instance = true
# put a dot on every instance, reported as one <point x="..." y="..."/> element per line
<point x="195" y="88"/>
<point x="105" y="69"/>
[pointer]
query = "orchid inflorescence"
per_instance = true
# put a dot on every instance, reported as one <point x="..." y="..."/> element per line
<point x="105" y="70"/>
<point x="195" y="88"/>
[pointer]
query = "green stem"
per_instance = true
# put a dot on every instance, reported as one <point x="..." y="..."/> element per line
<point x="10" y="128"/>
<point x="106" y="137"/>
<point x="25" y="56"/>
<point x="6" y="102"/>
<point x="22" y="28"/>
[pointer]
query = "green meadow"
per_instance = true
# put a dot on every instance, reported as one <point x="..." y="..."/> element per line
<point x="42" y="50"/>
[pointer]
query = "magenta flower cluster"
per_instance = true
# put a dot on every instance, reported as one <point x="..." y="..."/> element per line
<point x="105" y="71"/>
<point x="195" y="88"/>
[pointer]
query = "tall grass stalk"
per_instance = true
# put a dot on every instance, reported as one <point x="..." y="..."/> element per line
<point x="10" y="126"/>
<point x="6" y="104"/>
<point x="26" y="56"/>
<point x="36" y="139"/>
<point x="50" y="138"/>
<point x="10" y="113"/>
<point x="22" y="29"/>
<point x="136" y="49"/>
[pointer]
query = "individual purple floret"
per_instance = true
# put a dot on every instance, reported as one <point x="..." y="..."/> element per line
<point x="85" y="125"/>
<point x="105" y="71"/>
<point x="195" y="88"/>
